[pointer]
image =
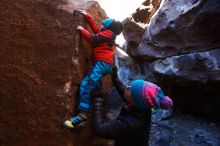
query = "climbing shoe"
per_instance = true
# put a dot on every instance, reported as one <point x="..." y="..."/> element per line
<point x="77" y="121"/>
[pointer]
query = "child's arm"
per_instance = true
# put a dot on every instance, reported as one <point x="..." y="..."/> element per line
<point x="86" y="35"/>
<point x="104" y="36"/>
<point x="95" y="39"/>
<point x="91" y="21"/>
<point x="115" y="128"/>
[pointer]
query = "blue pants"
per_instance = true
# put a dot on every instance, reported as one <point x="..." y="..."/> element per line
<point x="89" y="83"/>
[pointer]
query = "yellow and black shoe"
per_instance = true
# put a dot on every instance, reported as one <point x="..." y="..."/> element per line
<point x="77" y="121"/>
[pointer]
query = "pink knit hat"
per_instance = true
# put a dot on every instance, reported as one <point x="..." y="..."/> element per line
<point x="148" y="95"/>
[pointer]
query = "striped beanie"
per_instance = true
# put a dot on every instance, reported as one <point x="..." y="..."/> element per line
<point x="147" y="95"/>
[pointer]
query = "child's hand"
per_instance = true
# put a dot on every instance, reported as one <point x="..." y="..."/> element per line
<point x="83" y="12"/>
<point x="79" y="28"/>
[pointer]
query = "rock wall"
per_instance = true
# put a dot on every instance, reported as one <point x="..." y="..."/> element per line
<point x="41" y="67"/>
<point x="188" y="26"/>
<point x="135" y="25"/>
<point x="144" y="13"/>
<point x="180" y="51"/>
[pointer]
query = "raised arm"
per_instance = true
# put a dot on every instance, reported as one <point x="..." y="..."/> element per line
<point x="86" y="35"/>
<point x="90" y="21"/>
<point x="95" y="39"/>
<point x="120" y="87"/>
<point x="115" y="128"/>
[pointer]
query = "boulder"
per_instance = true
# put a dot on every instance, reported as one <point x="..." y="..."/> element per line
<point x="135" y="25"/>
<point x="144" y="13"/>
<point x="179" y="51"/>
<point x="42" y="63"/>
<point x="133" y="33"/>
<point x="181" y="27"/>
<point x="192" y="80"/>
<point x="202" y="67"/>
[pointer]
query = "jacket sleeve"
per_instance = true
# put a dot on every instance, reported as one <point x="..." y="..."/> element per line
<point x="87" y="36"/>
<point x="92" y="23"/>
<point x="96" y="39"/>
<point x="115" y="128"/>
<point x="120" y="87"/>
<point x="103" y="36"/>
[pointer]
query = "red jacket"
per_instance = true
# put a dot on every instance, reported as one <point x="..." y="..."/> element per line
<point x="102" y="41"/>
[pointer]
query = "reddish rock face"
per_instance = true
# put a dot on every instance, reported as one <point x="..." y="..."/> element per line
<point x="146" y="11"/>
<point x="134" y="27"/>
<point x="41" y="67"/>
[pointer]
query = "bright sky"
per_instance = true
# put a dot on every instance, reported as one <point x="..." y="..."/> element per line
<point x="119" y="9"/>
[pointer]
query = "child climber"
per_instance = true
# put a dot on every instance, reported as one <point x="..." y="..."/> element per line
<point x="102" y="42"/>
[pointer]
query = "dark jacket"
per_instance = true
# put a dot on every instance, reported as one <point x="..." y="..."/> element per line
<point x="130" y="128"/>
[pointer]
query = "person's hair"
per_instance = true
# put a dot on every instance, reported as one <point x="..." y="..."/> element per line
<point x="116" y="27"/>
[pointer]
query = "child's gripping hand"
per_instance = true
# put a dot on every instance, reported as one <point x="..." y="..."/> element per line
<point x="79" y="28"/>
<point x="83" y="12"/>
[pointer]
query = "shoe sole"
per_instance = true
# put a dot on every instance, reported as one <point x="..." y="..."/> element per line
<point x="83" y="124"/>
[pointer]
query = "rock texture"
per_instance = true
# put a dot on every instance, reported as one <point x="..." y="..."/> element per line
<point x="132" y="39"/>
<point x="130" y="67"/>
<point x="144" y="13"/>
<point x="201" y="67"/>
<point x="134" y="26"/>
<point x="192" y="80"/>
<point x="180" y="52"/>
<point x="182" y="27"/>
<point x="41" y="67"/>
